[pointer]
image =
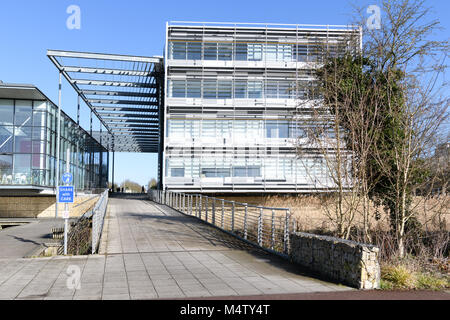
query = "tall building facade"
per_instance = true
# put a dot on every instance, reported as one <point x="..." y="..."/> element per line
<point x="233" y="97"/>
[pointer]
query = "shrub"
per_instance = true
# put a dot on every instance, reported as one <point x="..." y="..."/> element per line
<point x="399" y="277"/>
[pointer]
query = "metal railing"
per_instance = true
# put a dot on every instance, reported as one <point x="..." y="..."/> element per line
<point x="267" y="227"/>
<point x="98" y="218"/>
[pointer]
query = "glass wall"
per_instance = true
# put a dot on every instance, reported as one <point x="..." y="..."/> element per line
<point x="248" y="51"/>
<point x="28" y="147"/>
<point x="243" y="89"/>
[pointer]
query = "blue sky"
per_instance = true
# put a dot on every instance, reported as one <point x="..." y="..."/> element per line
<point x="29" y="28"/>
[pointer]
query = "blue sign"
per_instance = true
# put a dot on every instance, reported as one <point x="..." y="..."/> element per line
<point x="67" y="178"/>
<point x="65" y="194"/>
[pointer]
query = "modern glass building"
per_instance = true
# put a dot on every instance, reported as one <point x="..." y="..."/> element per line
<point x="28" y="124"/>
<point x="234" y="95"/>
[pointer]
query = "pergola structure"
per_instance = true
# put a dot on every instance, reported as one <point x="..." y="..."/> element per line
<point x="123" y="91"/>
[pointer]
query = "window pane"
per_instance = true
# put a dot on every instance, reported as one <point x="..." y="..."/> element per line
<point x="254" y="52"/>
<point x="178" y="50"/>
<point x="254" y="89"/>
<point x="177" y="172"/>
<point x="6" y="138"/>
<point x="22" y="139"/>
<point x="225" y="51"/>
<point x="210" y="89"/>
<point x="40" y="106"/>
<point x="194" y="50"/>
<point x="241" y="52"/>
<point x="22" y="169"/>
<point x="224" y="91"/>
<point x="6" y="112"/>
<point x="271" y="52"/>
<point x="178" y="88"/>
<point x="239" y="172"/>
<point x="240" y="89"/>
<point x="23" y="113"/>
<point x="194" y="88"/>
<point x="5" y="169"/>
<point x="210" y="51"/>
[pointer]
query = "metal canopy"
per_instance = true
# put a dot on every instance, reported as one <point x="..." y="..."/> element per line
<point x="122" y="91"/>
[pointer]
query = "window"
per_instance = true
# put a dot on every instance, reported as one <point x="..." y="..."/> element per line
<point x="194" y="88"/>
<point x="210" y="51"/>
<point x="251" y="171"/>
<point x="22" y="137"/>
<point x="177" y="172"/>
<point x="240" y="89"/>
<point x="194" y="50"/>
<point x="301" y="52"/>
<point x="271" y="52"/>
<point x="178" y="50"/>
<point x="215" y="172"/>
<point x="254" y="89"/>
<point x="277" y="129"/>
<point x="224" y="90"/>
<point x="23" y="113"/>
<point x="241" y="52"/>
<point x="272" y="89"/>
<point x="178" y="88"/>
<point x="6" y="138"/>
<point x="225" y="51"/>
<point x="6" y="169"/>
<point x="254" y="52"/>
<point x="6" y="112"/>
<point x="210" y="89"/>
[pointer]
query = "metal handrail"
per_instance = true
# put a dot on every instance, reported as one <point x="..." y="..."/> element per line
<point x="262" y="226"/>
<point x="98" y="218"/>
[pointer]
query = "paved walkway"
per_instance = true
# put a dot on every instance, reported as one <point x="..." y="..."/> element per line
<point x="21" y="241"/>
<point x="149" y="251"/>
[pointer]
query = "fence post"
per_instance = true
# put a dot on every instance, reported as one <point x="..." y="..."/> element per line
<point x="200" y="211"/>
<point x="272" y="245"/>
<point x="286" y="232"/>
<point x="206" y="208"/>
<point x="260" y="226"/>
<point x="223" y="211"/>
<point x="232" y="216"/>
<point x="197" y="208"/>
<point x="214" y="211"/>
<point x="184" y="203"/>
<point x="245" y="221"/>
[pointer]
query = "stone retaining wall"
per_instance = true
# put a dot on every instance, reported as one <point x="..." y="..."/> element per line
<point x="351" y="263"/>
<point x="42" y="206"/>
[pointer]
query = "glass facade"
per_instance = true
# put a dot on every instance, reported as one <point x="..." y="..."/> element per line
<point x="309" y="51"/>
<point x="28" y="147"/>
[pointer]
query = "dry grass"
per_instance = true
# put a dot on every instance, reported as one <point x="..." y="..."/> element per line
<point x="310" y="211"/>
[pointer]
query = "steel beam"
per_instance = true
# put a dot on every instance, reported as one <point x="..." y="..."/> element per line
<point x="105" y="71"/>
<point x="88" y="82"/>
<point x="102" y="56"/>
<point x="118" y="93"/>
<point x="134" y="102"/>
